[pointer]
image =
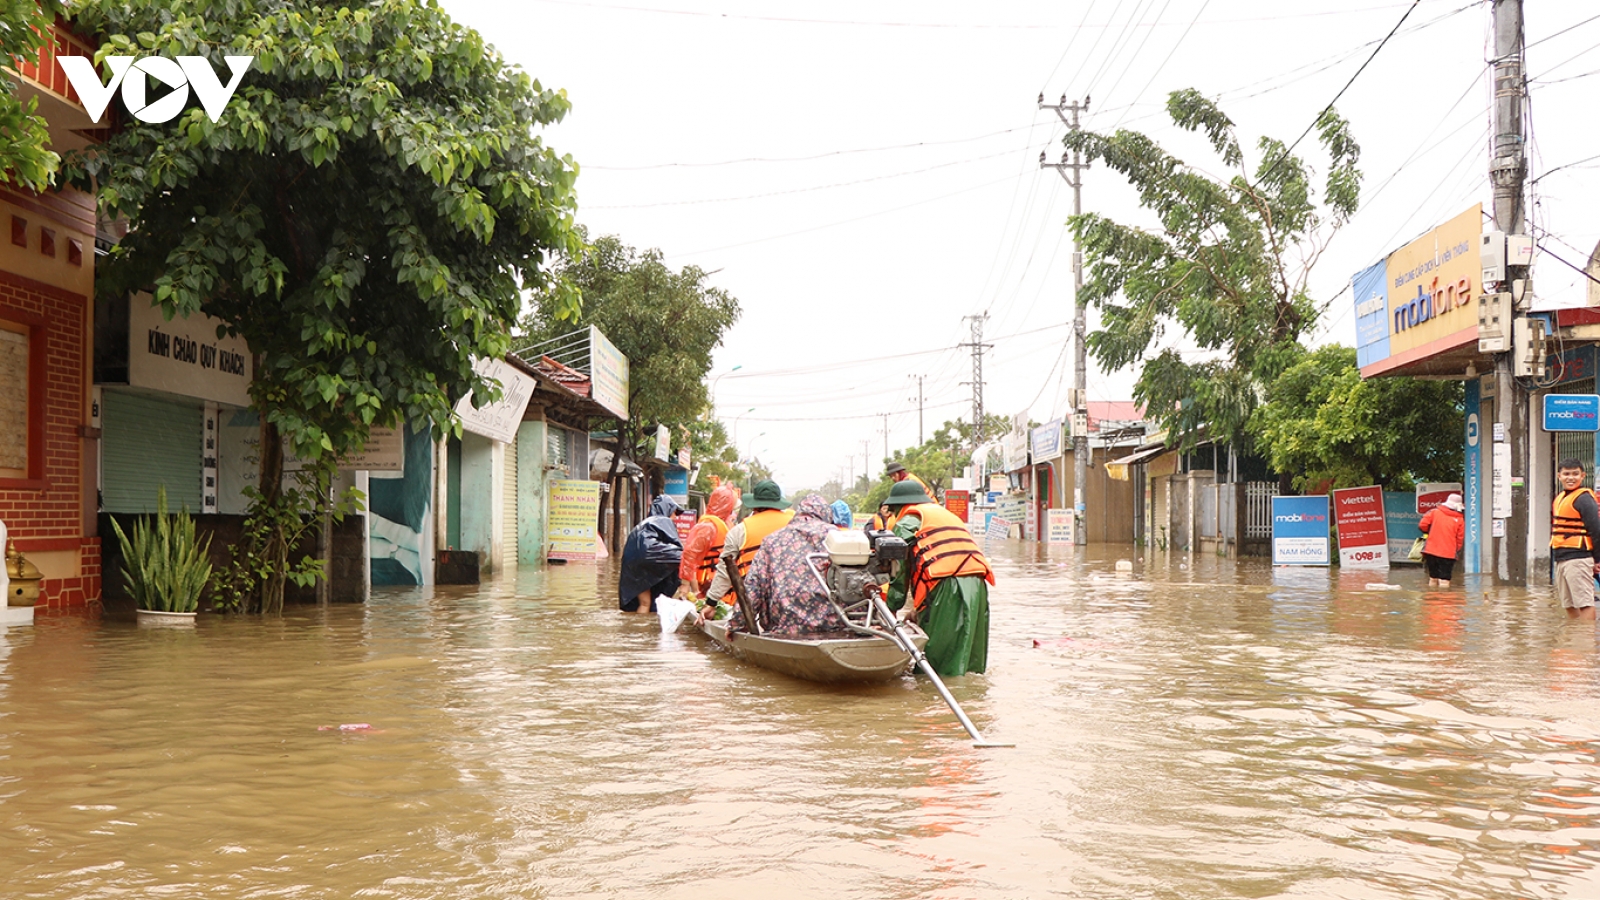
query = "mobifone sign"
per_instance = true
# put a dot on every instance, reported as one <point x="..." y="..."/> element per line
<point x="180" y="74"/>
<point x="1300" y="531"/>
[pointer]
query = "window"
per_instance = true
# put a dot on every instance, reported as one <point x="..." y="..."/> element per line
<point x="14" y="392"/>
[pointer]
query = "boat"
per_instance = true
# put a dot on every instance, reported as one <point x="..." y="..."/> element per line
<point x="832" y="658"/>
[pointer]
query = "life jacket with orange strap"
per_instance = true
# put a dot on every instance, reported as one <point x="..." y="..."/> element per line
<point x="943" y="548"/>
<point x="707" y="569"/>
<point x="1566" y="526"/>
<point x="756" y="528"/>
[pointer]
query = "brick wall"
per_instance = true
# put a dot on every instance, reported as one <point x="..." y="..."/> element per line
<point x="44" y="514"/>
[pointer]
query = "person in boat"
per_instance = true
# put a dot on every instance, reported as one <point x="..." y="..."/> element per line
<point x="704" y="543"/>
<point x="943" y="584"/>
<point x="650" y="559"/>
<point x="883" y="520"/>
<point x="784" y="594"/>
<point x="768" y="512"/>
<point x="843" y="516"/>
<point x="898" y="473"/>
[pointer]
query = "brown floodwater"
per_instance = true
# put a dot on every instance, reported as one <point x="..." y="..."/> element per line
<point x="1197" y="729"/>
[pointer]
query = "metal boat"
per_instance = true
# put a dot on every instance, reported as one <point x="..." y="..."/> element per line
<point x="839" y="657"/>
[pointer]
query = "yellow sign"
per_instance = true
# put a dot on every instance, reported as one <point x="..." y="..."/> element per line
<point x="1426" y="301"/>
<point x="573" y="510"/>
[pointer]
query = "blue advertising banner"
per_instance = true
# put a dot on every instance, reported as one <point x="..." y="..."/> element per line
<point x="1300" y="531"/>
<point x="1400" y="516"/>
<point x="677" y="485"/>
<point x="1370" y="288"/>
<point x="1572" y="412"/>
<point x="1472" y="496"/>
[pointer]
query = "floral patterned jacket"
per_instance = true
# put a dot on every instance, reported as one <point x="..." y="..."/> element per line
<point x="786" y="597"/>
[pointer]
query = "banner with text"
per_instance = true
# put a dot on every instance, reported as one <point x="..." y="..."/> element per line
<point x="1300" y="531"/>
<point x="1363" y="539"/>
<point x="574" y="506"/>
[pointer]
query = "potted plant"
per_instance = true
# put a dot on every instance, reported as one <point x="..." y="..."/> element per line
<point x="164" y="565"/>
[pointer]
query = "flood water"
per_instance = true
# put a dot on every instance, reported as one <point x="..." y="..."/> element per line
<point x="1199" y="729"/>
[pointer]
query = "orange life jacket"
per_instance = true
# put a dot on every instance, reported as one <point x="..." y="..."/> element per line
<point x="879" y="523"/>
<point x="943" y="548"/>
<point x="707" y="569"/>
<point x="756" y="528"/>
<point x="1566" y="526"/>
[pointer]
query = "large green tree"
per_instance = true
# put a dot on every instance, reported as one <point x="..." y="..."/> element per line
<point x="1223" y="262"/>
<point x="1333" y="429"/>
<point x="665" y="321"/>
<point x="366" y="212"/>
<point x="25" y="154"/>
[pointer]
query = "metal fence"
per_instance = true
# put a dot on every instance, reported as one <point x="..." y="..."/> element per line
<point x="1258" y="509"/>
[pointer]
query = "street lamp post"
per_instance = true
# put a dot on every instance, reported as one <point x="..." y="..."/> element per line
<point x="714" y="385"/>
<point x="735" y="434"/>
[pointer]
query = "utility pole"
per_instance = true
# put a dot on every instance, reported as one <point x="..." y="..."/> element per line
<point x="885" y="434"/>
<point x="978" y="346"/>
<point x="919" y="407"/>
<point x="866" y="458"/>
<point x="1071" y="168"/>
<point x="1507" y="170"/>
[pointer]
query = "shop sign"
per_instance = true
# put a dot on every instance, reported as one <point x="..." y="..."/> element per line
<point x="1420" y="300"/>
<point x="1046" y="440"/>
<point x="385" y="451"/>
<point x="574" y="507"/>
<point x="498" y="420"/>
<point x="957" y="502"/>
<point x="663" y="443"/>
<point x="1434" y="493"/>
<point x="1059" y="530"/>
<point x="1572" y="412"/>
<point x="1400" y="520"/>
<point x="185" y="356"/>
<point x="1363" y="537"/>
<point x="684" y="522"/>
<point x="676" y="485"/>
<point x="1300" y="531"/>
<point x="608" y="374"/>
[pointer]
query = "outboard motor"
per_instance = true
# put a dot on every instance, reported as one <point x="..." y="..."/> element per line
<point x="860" y="563"/>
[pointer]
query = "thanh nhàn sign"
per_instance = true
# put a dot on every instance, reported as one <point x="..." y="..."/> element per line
<point x="1300" y="531"/>
<point x="1363" y="537"/>
<point x="573" y="507"/>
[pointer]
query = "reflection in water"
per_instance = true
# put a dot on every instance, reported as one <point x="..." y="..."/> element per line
<point x="1195" y="729"/>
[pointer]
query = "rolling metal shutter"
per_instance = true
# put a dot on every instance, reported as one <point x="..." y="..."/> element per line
<point x="146" y="442"/>
<point x="508" y="509"/>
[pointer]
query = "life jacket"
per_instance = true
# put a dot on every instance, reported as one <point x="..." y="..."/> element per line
<point x="756" y="528"/>
<point x="943" y="548"/>
<point x="879" y="523"/>
<point x="707" y="569"/>
<point x="1566" y="526"/>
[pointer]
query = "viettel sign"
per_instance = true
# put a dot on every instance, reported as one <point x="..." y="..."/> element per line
<point x="180" y="74"/>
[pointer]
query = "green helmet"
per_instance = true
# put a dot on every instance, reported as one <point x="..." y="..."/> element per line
<point x="905" y="493"/>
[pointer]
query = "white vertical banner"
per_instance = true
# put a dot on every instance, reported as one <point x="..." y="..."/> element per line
<point x="208" y="459"/>
<point x="1501" y="481"/>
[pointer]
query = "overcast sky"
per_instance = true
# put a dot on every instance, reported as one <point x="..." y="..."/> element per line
<point x="864" y="175"/>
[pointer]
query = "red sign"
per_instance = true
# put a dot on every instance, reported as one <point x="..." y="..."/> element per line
<point x="685" y="522"/>
<point x="1431" y="494"/>
<point x="1363" y="536"/>
<point x="956" y="502"/>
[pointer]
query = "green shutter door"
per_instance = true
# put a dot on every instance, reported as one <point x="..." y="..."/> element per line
<point x="147" y="442"/>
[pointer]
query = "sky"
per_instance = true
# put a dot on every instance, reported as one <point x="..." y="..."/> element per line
<point x="864" y="176"/>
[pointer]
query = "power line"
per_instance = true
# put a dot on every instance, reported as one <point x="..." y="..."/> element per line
<point x="786" y="159"/>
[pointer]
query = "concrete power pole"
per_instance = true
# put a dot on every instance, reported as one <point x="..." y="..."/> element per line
<point x="1071" y="168"/>
<point x="919" y="407"/>
<point x="885" y="434"/>
<point x="1507" y="171"/>
<point x="978" y="346"/>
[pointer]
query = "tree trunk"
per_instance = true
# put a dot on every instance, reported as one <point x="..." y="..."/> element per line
<point x="273" y="543"/>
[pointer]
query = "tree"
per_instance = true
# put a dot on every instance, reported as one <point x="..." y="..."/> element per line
<point x="665" y="322"/>
<point x="1334" y="429"/>
<point x="25" y="156"/>
<point x="1227" y="264"/>
<point x="366" y="213"/>
<point x="937" y="460"/>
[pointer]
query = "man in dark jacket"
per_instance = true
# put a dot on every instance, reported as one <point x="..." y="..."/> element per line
<point x="1574" y="541"/>
<point x="650" y="559"/>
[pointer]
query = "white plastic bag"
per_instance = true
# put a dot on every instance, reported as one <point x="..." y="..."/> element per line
<point x="672" y="612"/>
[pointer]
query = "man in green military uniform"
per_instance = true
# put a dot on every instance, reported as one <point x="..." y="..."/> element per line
<point x="945" y="579"/>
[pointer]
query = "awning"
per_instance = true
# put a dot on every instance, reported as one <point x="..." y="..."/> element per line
<point x="1118" y="468"/>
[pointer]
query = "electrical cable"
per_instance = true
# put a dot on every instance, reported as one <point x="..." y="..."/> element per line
<point x="787" y="159"/>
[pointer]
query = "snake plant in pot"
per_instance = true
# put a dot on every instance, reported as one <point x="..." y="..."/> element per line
<point x="165" y="565"/>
